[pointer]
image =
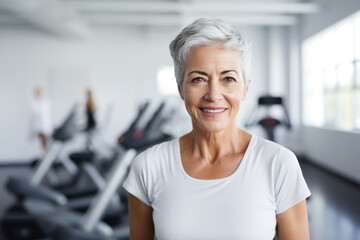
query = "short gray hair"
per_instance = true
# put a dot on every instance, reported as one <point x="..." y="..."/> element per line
<point x="208" y="32"/>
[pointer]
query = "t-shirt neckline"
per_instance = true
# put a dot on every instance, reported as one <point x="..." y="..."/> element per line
<point x="239" y="167"/>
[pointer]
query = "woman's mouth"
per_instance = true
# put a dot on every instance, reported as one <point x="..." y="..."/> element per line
<point x="211" y="111"/>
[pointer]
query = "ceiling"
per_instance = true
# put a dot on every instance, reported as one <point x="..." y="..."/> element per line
<point x="78" y="17"/>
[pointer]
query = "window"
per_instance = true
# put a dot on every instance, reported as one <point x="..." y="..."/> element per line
<point x="331" y="76"/>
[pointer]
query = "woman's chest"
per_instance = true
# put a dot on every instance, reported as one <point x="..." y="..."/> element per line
<point x="211" y="169"/>
<point x="214" y="211"/>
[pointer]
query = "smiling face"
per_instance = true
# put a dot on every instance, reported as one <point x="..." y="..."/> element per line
<point x="213" y="88"/>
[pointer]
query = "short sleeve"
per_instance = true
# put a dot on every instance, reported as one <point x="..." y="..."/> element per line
<point x="137" y="181"/>
<point x="290" y="185"/>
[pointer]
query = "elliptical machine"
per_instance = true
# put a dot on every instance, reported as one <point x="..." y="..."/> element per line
<point x="151" y="134"/>
<point x="268" y="122"/>
<point x="17" y="223"/>
<point x="60" y="222"/>
<point x="134" y="138"/>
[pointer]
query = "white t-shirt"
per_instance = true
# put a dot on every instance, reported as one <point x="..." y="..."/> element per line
<point x="243" y="205"/>
<point x="41" y="117"/>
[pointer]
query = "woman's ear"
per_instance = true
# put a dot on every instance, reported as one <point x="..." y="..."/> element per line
<point x="246" y="90"/>
<point x="180" y="92"/>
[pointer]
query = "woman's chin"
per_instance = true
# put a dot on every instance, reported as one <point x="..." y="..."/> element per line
<point x="212" y="128"/>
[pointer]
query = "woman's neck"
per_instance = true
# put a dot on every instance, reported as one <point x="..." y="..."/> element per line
<point x="212" y="146"/>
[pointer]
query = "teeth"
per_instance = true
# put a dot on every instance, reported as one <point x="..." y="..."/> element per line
<point x="213" y="110"/>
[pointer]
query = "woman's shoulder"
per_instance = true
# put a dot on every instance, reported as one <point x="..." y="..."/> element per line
<point x="264" y="144"/>
<point x="270" y="148"/>
<point x="162" y="148"/>
<point x="156" y="155"/>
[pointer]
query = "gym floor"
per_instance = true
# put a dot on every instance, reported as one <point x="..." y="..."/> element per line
<point x="334" y="209"/>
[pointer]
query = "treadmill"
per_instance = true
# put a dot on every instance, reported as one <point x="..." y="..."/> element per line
<point x="268" y="122"/>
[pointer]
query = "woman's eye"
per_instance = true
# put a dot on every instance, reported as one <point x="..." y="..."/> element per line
<point x="230" y="79"/>
<point x="197" y="80"/>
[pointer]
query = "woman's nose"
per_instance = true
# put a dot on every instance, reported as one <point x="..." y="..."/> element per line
<point x="213" y="91"/>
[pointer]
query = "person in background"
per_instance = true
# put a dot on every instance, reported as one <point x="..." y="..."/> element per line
<point x="217" y="181"/>
<point x="41" y="122"/>
<point x="90" y="110"/>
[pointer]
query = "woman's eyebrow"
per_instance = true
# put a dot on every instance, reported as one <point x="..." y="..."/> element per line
<point x="199" y="72"/>
<point x="205" y="74"/>
<point x="227" y="71"/>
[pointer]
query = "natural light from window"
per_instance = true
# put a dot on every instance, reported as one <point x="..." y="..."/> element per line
<point x="331" y="76"/>
<point x="166" y="81"/>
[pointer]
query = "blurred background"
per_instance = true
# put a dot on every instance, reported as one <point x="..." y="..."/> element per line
<point x="304" y="94"/>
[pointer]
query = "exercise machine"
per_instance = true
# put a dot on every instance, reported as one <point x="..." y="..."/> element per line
<point x="151" y="134"/>
<point x="268" y="122"/>
<point x="47" y="210"/>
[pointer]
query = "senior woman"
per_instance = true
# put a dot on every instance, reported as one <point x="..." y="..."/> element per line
<point x="218" y="181"/>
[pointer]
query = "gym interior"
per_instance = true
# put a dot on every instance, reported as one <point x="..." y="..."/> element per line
<point x="104" y="77"/>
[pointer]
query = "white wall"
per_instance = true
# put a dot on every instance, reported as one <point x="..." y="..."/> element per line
<point x="338" y="151"/>
<point x="119" y="64"/>
<point x="335" y="150"/>
<point x="259" y="73"/>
